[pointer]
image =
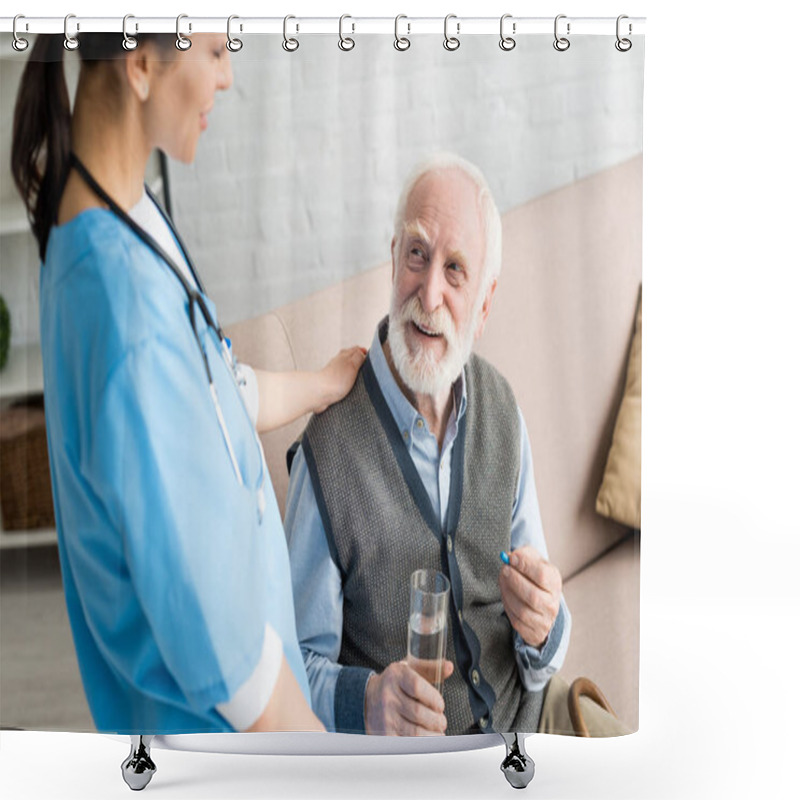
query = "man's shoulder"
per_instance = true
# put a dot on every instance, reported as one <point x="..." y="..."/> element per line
<point x="337" y="414"/>
<point x="488" y="382"/>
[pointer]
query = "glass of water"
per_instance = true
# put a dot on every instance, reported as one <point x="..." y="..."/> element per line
<point x="427" y="624"/>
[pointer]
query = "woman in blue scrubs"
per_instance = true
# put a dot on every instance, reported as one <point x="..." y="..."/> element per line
<point x="172" y="550"/>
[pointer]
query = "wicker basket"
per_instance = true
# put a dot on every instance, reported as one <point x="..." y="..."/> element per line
<point x="25" y="494"/>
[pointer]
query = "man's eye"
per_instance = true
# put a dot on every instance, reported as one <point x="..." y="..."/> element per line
<point x="416" y="257"/>
<point x="455" y="267"/>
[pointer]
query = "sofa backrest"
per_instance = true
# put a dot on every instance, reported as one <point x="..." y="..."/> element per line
<point x="559" y="330"/>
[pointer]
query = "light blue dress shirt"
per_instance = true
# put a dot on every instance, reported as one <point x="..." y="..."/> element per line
<point x="316" y="580"/>
<point x="172" y="570"/>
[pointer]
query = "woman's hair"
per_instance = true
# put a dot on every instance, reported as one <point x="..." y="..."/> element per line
<point x="41" y="143"/>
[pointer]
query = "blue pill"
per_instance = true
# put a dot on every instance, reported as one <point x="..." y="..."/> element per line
<point x="504" y="557"/>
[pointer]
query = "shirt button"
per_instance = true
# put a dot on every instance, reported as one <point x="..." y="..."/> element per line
<point x="460" y="616"/>
<point x="476" y="679"/>
<point x="405" y="434"/>
<point x="483" y="722"/>
<point x="449" y="544"/>
<point x="420" y="423"/>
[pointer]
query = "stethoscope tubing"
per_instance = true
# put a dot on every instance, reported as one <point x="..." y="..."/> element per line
<point x="193" y="296"/>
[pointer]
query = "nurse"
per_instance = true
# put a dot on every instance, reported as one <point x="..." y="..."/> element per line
<point x="172" y="551"/>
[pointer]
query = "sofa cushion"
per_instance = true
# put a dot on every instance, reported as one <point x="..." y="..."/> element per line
<point x="604" y="645"/>
<point x="559" y="330"/>
<point x="305" y="335"/>
<point x="620" y="495"/>
<point x="342" y="315"/>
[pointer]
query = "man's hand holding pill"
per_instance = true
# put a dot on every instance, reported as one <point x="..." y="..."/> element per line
<point x="530" y="587"/>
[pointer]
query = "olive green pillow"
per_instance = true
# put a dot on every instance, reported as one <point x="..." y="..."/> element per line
<point x="620" y="495"/>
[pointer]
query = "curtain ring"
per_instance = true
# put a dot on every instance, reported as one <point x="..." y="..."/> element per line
<point x="507" y="42"/>
<point x="623" y="45"/>
<point x="234" y="45"/>
<point x="561" y="43"/>
<point x="451" y="42"/>
<point x="70" y="42"/>
<point x="19" y="44"/>
<point x="289" y="44"/>
<point x="129" y="42"/>
<point x="182" y="43"/>
<point x="345" y="42"/>
<point x="401" y="43"/>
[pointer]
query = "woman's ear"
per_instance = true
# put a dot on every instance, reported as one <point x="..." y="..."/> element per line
<point x="139" y="71"/>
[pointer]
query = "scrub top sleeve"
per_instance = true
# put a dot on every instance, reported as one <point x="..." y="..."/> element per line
<point x="252" y="697"/>
<point x="248" y="386"/>
<point x="191" y="546"/>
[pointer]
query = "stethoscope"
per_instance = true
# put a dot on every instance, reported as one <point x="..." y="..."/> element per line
<point x="196" y="300"/>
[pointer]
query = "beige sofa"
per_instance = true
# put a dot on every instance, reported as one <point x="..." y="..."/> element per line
<point x="559" y="330"/>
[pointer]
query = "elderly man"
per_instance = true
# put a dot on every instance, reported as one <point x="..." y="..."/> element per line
<point x="426" y="464"/>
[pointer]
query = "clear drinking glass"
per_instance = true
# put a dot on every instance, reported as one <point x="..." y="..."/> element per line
<point x="427" y="624"/>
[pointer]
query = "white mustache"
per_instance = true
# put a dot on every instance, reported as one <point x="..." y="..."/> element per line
<point x="439" y="322"/>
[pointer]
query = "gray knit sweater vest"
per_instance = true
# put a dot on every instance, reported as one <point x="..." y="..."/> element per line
<point x="381" y="527"/>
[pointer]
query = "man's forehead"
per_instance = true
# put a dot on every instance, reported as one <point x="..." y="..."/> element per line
<point x="448" y="196"/>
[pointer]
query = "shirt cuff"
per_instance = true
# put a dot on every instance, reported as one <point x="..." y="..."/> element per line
<point x="250" y="700"/>
<point x="248" y="386"/>
<point x="533" y="658"/>
<point x="348" y="703"/>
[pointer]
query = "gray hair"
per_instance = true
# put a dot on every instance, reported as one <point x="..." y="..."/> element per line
<point x="439" y="163"/>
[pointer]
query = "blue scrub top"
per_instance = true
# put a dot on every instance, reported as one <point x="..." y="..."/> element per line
<point x="170" y="572"/>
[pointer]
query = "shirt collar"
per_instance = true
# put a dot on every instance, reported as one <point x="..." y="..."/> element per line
<point x="403" y="412"/>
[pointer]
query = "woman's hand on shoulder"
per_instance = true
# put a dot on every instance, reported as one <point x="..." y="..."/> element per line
<point x="339" y="375"/>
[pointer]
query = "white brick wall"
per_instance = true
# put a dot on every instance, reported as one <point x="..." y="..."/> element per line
<point x="295" y="181"/>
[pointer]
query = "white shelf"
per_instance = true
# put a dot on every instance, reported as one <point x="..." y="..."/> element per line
<point x="32" y="538"/>
<point x="22" y="374"/>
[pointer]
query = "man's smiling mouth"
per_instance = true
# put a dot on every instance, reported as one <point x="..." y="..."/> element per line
<point x="425" y="331"/>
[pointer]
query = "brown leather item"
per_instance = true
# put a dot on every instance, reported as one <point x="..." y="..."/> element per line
<point x="587" y="688"/>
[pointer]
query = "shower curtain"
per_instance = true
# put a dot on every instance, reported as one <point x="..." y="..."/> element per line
<point x="291" y="212"/>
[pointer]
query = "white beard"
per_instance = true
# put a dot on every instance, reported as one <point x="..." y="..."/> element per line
<point x="420" y="370"/>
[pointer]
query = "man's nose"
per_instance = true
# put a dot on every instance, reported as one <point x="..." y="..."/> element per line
<point x="431" y="293"/>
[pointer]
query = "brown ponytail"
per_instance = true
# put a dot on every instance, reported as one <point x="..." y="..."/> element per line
<point x="41" y="143"/>
<point x="41" y="138"/>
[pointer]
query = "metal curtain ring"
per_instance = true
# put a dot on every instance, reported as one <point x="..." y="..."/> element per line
<point x="451" y="42"/>
<point x="234" y="45"/>
<point x="289" y="45"/>
<point x="561" y="43"/>
<point x="345" y="42"/>
<point x="128" y="42"/>
<point x="19" y="44"/>
<point x="401" y="43"/>
<point x="623" y="45"/>
<point x="182" y="43"/>
<point x="70" y="42"/>
<point x="507" y="42"/>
